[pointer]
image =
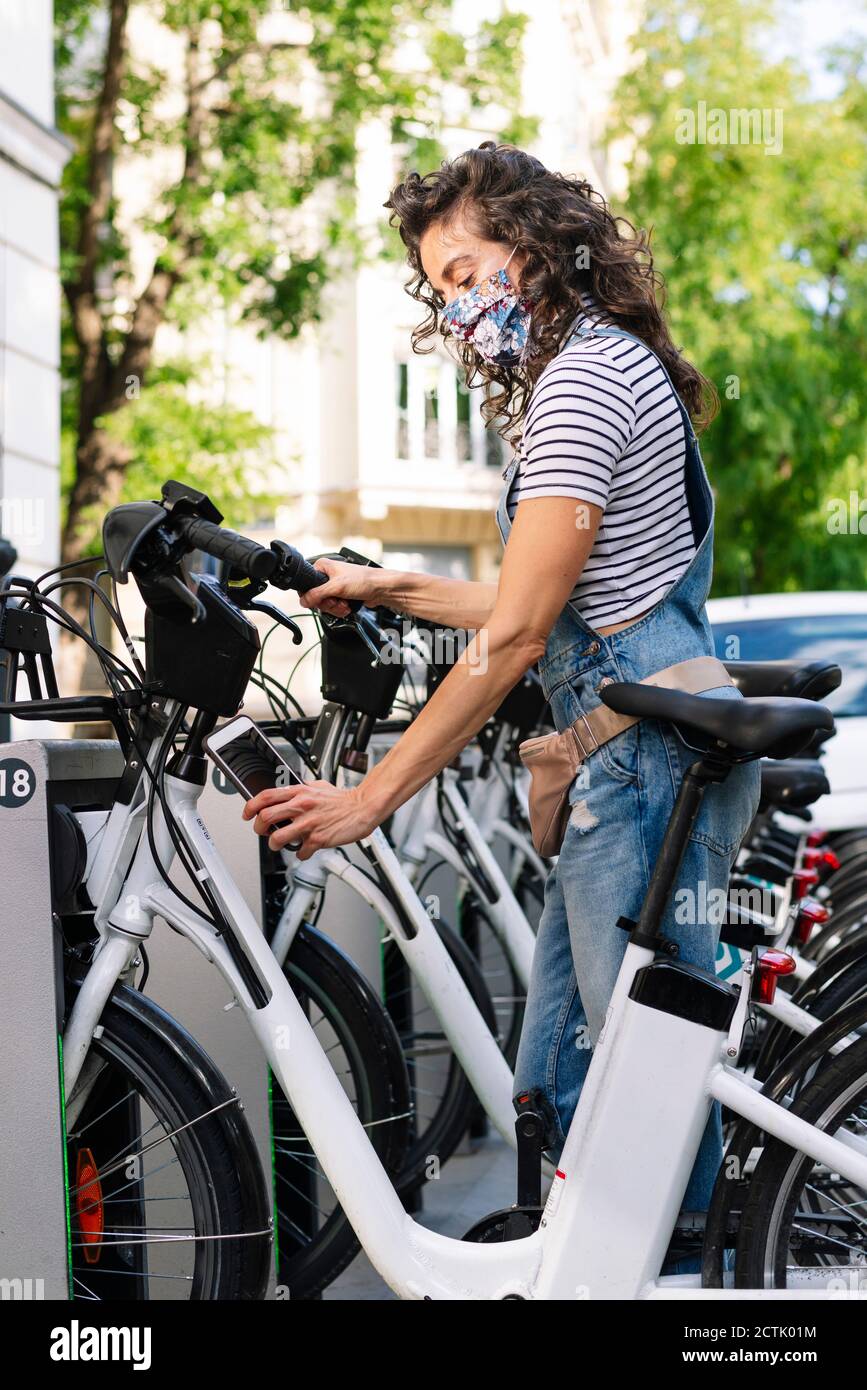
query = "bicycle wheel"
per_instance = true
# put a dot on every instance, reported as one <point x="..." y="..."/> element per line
<point x="315" y="1241"/>
<point x="745" y="1142"/>
<point x="798" y="1214"/>
<point x="443" y="1100"/>
<point x="508" y="994"/>
<point x="166" y="1196"/>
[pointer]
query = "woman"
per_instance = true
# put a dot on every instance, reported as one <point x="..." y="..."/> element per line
<point x="606" y="516"/>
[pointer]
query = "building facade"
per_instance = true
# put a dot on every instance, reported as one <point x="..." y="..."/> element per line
<point x="398" y="461"/>
<point x="32" y="156"/>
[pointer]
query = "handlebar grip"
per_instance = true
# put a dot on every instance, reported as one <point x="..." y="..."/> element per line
<point x="305" y="576"/>
<point x="240" y="552"/>
<point x="294" y="571"/>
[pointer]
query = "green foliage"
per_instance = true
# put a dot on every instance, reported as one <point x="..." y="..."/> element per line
<point x="765" y="259"/>
<point x="252" y="131"/>
<point x="167" y="433"/>
<point x="267" y="149"/>
<point x="225" y="452"/>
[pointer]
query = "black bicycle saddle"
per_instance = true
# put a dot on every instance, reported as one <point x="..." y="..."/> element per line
<point x="807" y="680"/>
<point x="797" y="782"/>
<point x="769" y="726"/>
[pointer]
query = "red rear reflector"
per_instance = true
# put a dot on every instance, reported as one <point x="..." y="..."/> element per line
<point x="810" y="914"/>
<point x="768" y="969"/>
<point x="89" y="1205"/>
<point x="802" y="881"/>
<point x="816" y="837"/>
<point x="820" y="858"/>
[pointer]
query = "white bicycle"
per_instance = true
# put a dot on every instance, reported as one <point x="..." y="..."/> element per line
<point x="666" y="1051"/>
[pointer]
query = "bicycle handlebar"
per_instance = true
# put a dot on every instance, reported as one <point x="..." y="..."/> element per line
<point x="294" y="572"/>
<point x="281" y="565"/>
<point x="243" y="554"/>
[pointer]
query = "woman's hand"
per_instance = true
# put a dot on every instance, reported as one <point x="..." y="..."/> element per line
<point x="345" y="581"/>
<point x="321" y="816"/>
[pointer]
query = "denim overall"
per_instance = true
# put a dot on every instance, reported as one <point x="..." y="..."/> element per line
<point x="621" y="802"/>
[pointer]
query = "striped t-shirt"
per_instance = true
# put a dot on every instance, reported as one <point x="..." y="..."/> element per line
<point x="603" y="425"/>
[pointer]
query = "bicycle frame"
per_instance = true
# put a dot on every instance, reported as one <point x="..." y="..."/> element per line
<point x="415" y="936"/>
<point x="604" y="1233"/>
<point x="505" y="913"/>
<point x="489" y="802"/>
<point x="451" y="1002"/>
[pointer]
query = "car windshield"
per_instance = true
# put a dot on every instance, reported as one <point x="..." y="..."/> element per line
<point x="839" y="637"/>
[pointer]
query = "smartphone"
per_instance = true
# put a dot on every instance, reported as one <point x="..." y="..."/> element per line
<point x="249" y="760"/>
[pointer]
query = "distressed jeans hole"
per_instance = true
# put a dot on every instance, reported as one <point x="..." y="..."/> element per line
<point x="582" y="817"/>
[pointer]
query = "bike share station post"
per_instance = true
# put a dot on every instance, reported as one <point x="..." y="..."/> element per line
<point x="41" y="782"/>
<point x="39" y="855"/>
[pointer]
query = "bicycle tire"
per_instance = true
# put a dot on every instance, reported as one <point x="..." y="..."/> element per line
<point x="782" y="1173"/>
<point x="204" y="1122"/>
<point x="435" y="1143"/>
<point x="733" y="1179"/>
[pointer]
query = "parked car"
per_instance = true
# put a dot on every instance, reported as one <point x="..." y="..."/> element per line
<point x="831" y="626"/>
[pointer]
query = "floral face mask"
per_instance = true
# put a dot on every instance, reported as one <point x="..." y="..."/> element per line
<point x="493" y="316"/>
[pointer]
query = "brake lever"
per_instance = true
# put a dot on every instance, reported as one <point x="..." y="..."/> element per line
<point x="279" y="616"/>
<point x="359" y="624"/>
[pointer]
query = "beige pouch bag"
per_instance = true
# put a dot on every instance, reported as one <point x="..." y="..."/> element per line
<point x="553" y="760"/>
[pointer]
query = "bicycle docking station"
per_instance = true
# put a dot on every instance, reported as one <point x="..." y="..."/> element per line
<point x="43" y="854"/>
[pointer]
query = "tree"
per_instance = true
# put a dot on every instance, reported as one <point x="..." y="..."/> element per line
<point x="765" y="259"/>
<point x="257" y="212"/>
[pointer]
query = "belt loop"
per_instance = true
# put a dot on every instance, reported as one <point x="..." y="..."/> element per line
<point x="585" y="752"/>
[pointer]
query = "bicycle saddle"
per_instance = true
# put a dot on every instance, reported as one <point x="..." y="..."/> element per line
<point x="807" y="680"/>
<point x="770" y="726"/>
<point x="798" y="782"/>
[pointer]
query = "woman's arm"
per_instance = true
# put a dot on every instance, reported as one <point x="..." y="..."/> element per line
<point x="544" y="557"/>
<point x="457" y="603"/>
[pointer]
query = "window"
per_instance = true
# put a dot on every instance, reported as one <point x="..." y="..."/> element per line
<point x="431" y="411"/>
<point x="438" y="417"/>
<point x="494" y="450"/>
<point x="464" y="445"/>
<point x="401" y="443"/>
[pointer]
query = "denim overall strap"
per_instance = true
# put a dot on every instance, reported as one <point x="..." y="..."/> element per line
<point x="698" y="490"/>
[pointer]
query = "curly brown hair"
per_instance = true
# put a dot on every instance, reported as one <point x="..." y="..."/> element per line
<point x="507" y="195"/>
